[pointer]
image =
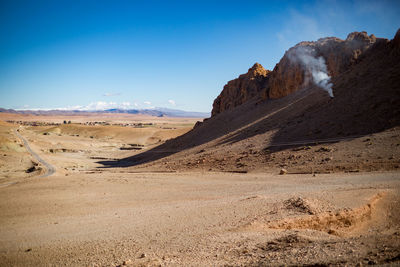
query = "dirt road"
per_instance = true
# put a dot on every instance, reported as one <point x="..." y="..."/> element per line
<point x="50" y="170"/>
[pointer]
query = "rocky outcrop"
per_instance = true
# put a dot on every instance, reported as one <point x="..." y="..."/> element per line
<point x="240" y="90"/>
<point x="339" y="55"/>
<point x="289" y="75"/>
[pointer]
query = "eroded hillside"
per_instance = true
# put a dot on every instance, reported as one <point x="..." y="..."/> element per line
<point x="256" y="134"/>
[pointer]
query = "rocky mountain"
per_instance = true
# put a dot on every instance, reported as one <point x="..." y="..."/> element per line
<point x="290" y="74"/>
<point x="263" y="120"/>
<point x="242" y="89"/>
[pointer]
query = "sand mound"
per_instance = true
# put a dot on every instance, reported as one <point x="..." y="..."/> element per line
<point x="337" y="223"/>
<point x="53" y="130"/>
<point x="302" y="205"/>
<point x="4" y="123"/>
<point x="8" y="145"/>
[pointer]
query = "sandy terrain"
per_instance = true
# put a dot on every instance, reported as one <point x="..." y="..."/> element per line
<point x="92" y="117"/>
<point x="201" y="219"/>
<point x="76" y="147"/>
<point x="90" y="214"/>
<point x="14" y="159"/>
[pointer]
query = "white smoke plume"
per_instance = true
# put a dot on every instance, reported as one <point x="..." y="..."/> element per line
<point x="316" y="66"/>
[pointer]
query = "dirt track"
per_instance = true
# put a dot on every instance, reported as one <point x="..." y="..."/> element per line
<point x="50" y="170"/>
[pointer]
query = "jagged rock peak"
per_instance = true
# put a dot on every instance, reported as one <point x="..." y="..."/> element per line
<point x="258" y="69"/>
<point x="255" y="71"/>
<point x="361" y="36"/>
<point x="242" y="89"/>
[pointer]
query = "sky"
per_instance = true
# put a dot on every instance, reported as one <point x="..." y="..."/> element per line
<point x="144" y="54"/>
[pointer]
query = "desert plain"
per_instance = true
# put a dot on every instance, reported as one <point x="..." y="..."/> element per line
<point x="199" y="133"/>
<point x="74" y="208"/>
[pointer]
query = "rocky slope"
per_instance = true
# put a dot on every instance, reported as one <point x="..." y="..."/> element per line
<point x="362" y="119"/>
<point x="289" y="74"/>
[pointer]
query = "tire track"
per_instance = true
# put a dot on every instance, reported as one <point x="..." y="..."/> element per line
<point x="50" y="170"/>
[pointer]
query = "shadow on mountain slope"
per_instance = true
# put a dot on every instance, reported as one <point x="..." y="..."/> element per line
<point x="367" y="100"/>
<point x="211" y="129"/>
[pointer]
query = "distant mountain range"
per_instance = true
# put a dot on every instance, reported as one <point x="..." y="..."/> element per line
<point x="157" y="112"/>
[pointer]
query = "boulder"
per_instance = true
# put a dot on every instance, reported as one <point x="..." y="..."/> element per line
<point x="283" y="171"/>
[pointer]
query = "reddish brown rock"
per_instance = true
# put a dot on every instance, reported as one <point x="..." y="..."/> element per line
<point x="240" y="90"/>
<point x="289" y="76"/>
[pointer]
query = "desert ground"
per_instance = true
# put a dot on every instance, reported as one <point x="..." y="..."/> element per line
<point x="332" y="207"/>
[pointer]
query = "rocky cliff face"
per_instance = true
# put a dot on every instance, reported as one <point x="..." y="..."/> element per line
<point x="289" y="75"/>
<point x="339" y="55"/>
<point x="240" y="90"/>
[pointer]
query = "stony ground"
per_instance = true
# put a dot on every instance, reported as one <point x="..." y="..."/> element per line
<point x="374" y="152"/>
<point x="199" y="219"/>
<point x="186" y="214"/>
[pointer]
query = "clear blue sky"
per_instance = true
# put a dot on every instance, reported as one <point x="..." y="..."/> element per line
<point x="176" y="54"/>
